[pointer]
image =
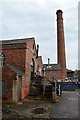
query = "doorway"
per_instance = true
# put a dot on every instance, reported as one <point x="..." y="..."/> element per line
<point x="17" y="88"/>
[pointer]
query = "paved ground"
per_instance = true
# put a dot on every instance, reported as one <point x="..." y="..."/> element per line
<point x="27" y="109"/>
<point x="66" y="107"/>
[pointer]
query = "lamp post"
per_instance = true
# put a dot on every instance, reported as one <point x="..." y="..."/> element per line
<point x="54" y="94"/>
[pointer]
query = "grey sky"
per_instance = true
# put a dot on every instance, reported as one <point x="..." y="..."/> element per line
<point x="38" y="18"/>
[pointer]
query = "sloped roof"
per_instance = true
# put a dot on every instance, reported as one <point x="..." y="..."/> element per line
<point x="15" y="69"/>
<point x="55" y="67"/>
<point x="16" y="41"/>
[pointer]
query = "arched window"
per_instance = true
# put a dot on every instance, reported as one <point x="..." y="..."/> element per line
<point x="32" y="65"/>
<point x="32" y="69"/>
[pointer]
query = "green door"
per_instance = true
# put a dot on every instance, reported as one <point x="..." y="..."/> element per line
<point x="4" y="89"/>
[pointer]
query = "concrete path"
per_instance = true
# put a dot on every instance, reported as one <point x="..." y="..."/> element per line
<point x="27" y="108"/>
<point x="67" y="107"/>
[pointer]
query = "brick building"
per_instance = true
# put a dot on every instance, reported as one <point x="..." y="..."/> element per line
<point x="20" y="64"/>
<point x="70" y="74"/>
<point x="51" y="71"/>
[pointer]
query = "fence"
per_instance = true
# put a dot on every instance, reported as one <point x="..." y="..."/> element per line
<point x="68" y="86"/>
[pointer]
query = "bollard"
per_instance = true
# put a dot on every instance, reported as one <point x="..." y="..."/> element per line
<point x="59" y="90"/>
<point x="54" y="95"/>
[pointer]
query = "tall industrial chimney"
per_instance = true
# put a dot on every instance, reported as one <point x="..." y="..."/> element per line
<point x="61" y="57"/>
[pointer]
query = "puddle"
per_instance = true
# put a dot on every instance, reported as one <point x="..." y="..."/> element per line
<point x="39" y="111"/>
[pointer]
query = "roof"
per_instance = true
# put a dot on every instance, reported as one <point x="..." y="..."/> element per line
<point x="16" y="41"/>
<point x="70" y="71"/>
<point x="15" y="69"/>
<point x="55" y="67"/>
<point x="59" y="11"/>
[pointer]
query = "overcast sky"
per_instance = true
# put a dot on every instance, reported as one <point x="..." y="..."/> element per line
<point x="37" y="18"/>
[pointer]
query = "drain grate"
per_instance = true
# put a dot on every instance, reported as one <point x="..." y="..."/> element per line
<point x="39" y="110"/>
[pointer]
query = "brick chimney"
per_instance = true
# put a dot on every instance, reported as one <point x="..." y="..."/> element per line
<point x="48" y="62"/>
<point x="61" y="57"/>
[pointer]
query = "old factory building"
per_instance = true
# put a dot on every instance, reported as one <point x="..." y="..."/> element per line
<point x="51" y="71"/>
<point x="19" y="63"/>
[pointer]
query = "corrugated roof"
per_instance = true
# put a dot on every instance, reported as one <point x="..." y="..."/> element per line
<point x="16" y="41"/>
<point x="51" y="67"/>
<point x="15" y="69"/>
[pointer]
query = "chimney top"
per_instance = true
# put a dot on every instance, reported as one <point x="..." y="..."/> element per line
<point x="48" y="58"/>
<point x="59" y="14"/>
<point x="59" y="11"/>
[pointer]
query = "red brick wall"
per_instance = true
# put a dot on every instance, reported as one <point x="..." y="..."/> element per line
<point x="30" y="54"/>
<point x="25" y="87"/>
<point x="49" y="74"/>
<point x="20" y="55"/>
<point x="15" y="55"/>
<point x="8" y="76"/>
